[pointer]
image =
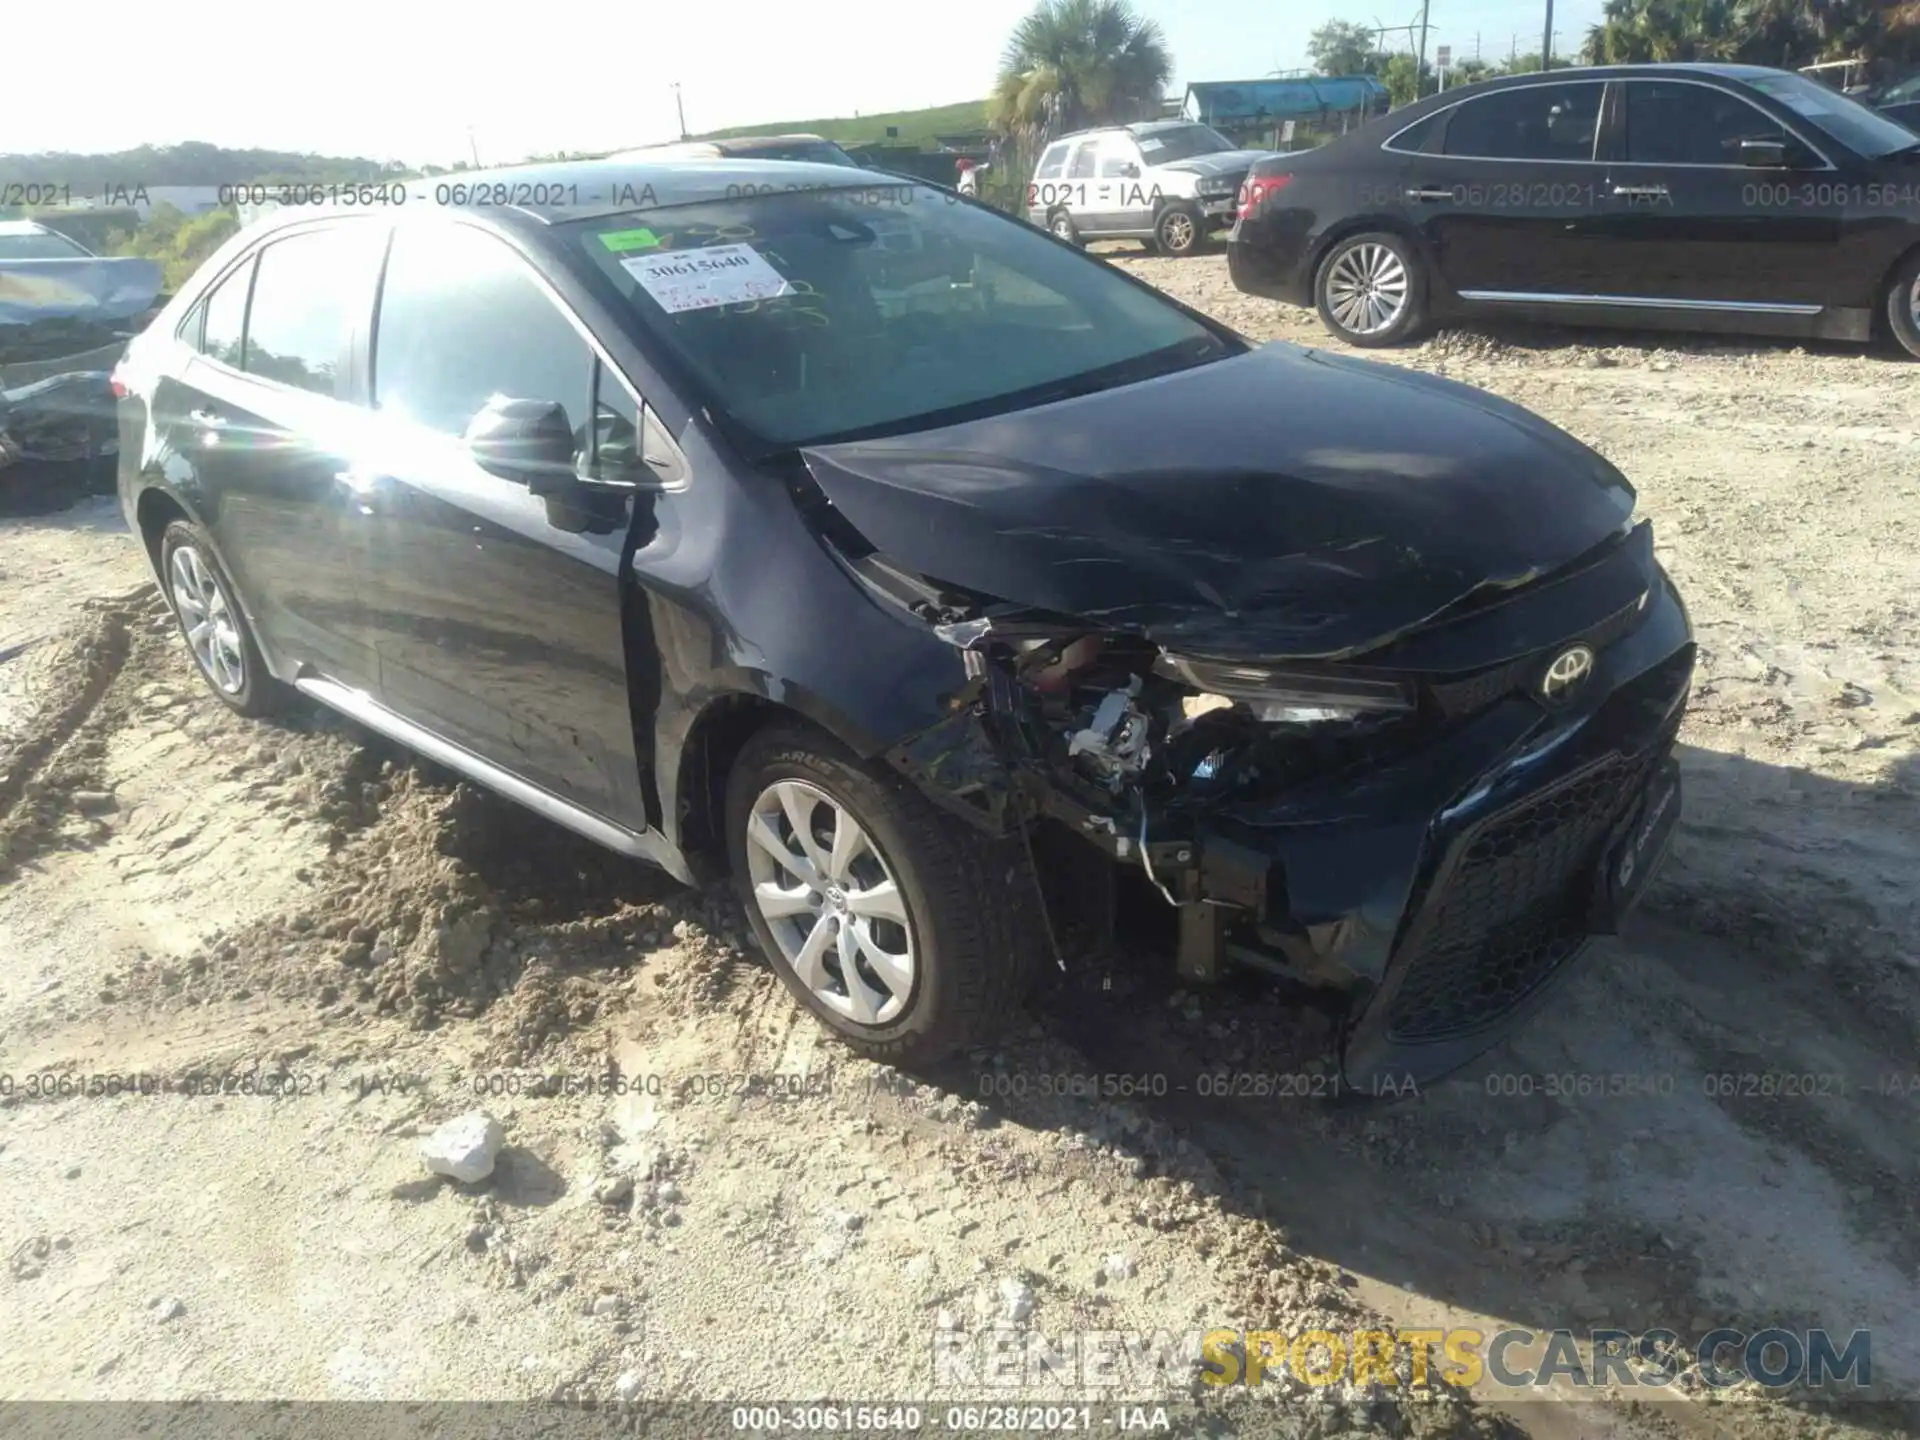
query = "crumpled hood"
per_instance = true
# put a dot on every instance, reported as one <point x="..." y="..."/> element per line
<point x="1282" y="503"/>
<point x="1226" y="162"/>
<point x="87" y="288"/>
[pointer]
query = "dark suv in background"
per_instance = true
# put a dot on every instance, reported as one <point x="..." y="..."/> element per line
<point x="682" y="505"/>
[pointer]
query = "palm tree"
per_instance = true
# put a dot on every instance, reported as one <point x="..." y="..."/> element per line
<point x="1074" y="63"/>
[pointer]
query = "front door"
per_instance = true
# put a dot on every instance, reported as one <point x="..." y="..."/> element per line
<point x="498" y="620"/>
<point x="1505" y="194"/>
<point x="1688" y="223"/>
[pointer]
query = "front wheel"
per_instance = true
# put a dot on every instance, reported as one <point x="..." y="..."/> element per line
<point x="1903" y="305"/>
<point x="1370" y="289"/>
<point x="908" y="935"/>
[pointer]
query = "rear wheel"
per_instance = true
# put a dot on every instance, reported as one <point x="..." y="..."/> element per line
<point x="1903" y="305"/>
<point x="1063" y="228"/>
<point x="210" y="619"/>
<point x="905" y="933"/>
<point x="1370" y="290"/>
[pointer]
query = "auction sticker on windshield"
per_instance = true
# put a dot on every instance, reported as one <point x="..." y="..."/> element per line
<point x="700" y="279"/>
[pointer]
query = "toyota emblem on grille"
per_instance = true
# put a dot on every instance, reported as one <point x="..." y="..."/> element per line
<point x="1567" y="673"/>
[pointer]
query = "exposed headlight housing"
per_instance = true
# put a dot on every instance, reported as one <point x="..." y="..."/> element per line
<point x="1289" y="696"/>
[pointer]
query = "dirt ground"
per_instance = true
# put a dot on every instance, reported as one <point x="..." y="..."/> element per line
<point x="323" y="949"/>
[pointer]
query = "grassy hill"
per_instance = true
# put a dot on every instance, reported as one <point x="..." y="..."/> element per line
<point x="917" y="127"/>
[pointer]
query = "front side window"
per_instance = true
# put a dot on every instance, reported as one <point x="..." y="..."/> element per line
<point x="225" y="312"/>
<point x="463" y="320"/>
<point x="1081" y="167"/>
<point x="1671" y="123"/>
<point x="307" y="291"/>
<point x="1118" y="156"/>
<point x="803" y="317"/>
<point x="1855" y="126"/>
<point x="1532" y="122"/>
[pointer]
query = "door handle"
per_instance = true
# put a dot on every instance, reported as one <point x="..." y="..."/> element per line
<point x="1642" y="191"/>
<point x="1429" y="194"/>
<point x="211" y="419"/>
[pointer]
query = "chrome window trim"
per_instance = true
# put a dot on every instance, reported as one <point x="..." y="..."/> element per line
<point x="1826" y="162"/>
<point x="1646" y="302"/>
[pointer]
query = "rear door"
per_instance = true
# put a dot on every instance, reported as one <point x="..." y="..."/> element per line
<point x="1080" y="194"/>
<point x="1505" y="188"/>
<point x="1690" y="224"/>
<point x="497" y="618"/>
<point x="260" y="430"/>
<point x="1119" y="199"/>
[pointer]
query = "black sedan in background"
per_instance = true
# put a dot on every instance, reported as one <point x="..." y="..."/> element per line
<point x="1699" y="197"/>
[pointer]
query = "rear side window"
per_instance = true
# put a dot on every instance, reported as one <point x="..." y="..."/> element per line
<point x="462" y="320"/>
<point x="1082" y="166"/>
<point x="226" y="317"/>
<point x="1053" y="162"/>
<point x="1678" y="124"/>
<point x="1534" y="122"/>
<point x="1423" y="136"/>
<point x="307" y="292"/>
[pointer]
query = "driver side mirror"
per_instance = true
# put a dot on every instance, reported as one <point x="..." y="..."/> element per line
<point x="1763" y="154"/>
<point x="529" y="442"/>
<point x="1130" y="170"/>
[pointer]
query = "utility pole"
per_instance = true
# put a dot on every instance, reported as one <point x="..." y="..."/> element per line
<point x="680" y="106"/>
<point x="1476" y="45"/>
<point x="1546" y="40"/>
<point x="473" y="148"/>
<point x="1420" y="65"/>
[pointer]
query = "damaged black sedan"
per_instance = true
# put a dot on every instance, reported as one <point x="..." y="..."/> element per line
<point x="932" y="579"/>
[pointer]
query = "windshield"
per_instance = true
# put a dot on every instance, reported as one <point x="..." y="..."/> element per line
<point x="38" y="245"/>
<point x="1901" y="91"/>
<point x="1183" y="142"/>
<point x="1846" y="120"/>
<point x="818" y="152"/>
<point x="822" y="314"/>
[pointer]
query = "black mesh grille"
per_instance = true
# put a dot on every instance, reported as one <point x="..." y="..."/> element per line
<point x="1513" y="907"/>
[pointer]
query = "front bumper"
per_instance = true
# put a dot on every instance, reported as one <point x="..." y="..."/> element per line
<point x="1447" y="891"/>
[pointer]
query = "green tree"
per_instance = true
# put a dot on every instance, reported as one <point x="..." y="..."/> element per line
<point x="1074" y="63"/>
<point x="1342" y="47"/>
<point x="1405" y="79"/>
<point x="1784" y="33"/>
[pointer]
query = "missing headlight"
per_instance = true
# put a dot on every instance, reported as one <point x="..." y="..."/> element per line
<point x="1290" y="695"/>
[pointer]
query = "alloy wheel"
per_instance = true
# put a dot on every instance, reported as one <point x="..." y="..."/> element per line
<point x="1913" y="302"/>
<point x="1367" y="289"/>
<point x="831" y="901"/>
<point x="1176" y="231"/>
<point x="1062" y="227"/>
<point x="207" y="616"/>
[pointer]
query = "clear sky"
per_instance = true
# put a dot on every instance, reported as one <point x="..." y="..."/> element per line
<point x="405" y="79"/>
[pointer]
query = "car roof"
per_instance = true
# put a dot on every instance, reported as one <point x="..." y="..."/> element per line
<point x="1138" y="127"/>
<point x="554" y="192"/>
